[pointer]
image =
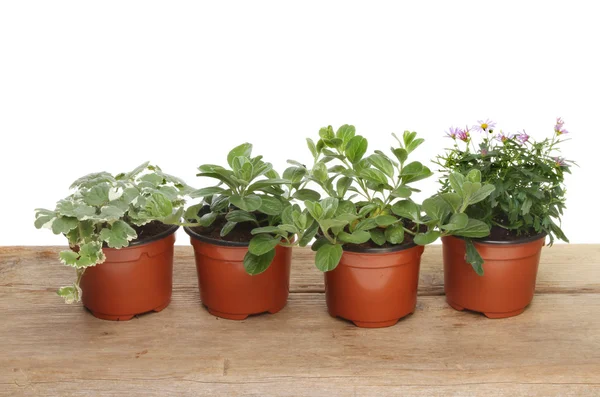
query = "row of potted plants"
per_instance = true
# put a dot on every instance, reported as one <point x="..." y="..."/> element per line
<point x="501" y="196"/>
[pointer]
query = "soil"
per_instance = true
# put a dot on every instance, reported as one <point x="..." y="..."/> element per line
<point x="498" y="233"/>
<point x="241" y="233"/>
<point x="149" y="230"/>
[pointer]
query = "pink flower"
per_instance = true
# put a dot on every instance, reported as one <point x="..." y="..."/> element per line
<point x="463" y="135"/>
<point x="560" y="162"/>
<point x="502" y="137"/>
<point x="486" y="125"/>
<point x="559" y="127"/>
<point x="452" y="132"/>
<point x="522" y="137"/>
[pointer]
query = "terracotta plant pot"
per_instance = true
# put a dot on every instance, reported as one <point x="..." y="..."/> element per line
<point x="374" y="288"/>
<point x="225" y="287"/>
<point x="132" y="280"/>
<point x="508" y="283"/>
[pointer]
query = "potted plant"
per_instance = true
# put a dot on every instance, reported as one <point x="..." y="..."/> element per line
<point x="121" y="233"/>
<point x="242" y="251"/>
<point x="524" y="209"/>
<point x="370" y="234"/>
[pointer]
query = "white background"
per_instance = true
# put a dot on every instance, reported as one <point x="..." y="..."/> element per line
<point x="91" y="86"/>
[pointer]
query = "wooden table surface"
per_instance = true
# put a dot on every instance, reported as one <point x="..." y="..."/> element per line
<point x="50" y="348"/>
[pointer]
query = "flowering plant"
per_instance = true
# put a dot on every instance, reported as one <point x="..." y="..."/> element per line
<point x="529" y="198"/>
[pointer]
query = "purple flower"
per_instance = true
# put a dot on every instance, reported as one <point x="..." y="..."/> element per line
<point x="560" y="161"/>
<point x="559" y="127"/>
<point x="463" y="135"/>
<point x="452" y="132"/>
<point x="486" y="125"/>
<point x="522" y="137"/>
<point x="502" y="137"/>
<point x="483" y="149"/>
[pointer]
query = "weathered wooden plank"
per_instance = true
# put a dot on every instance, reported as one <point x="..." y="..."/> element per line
<point x="49" y="348"/>
<point x="563" y="269"/>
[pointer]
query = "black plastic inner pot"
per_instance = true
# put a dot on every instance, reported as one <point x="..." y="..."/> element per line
<point x="213" y="241"/>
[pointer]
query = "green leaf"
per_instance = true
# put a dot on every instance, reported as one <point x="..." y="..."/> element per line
<point x="374" y="175"/>
<point x="70" y="294"/>
<point x="345" y="133"/>
<point x="270" y="205"/>
<point x="118" y="235"/>
<point x="378" y="236"/>
<point x="315" y="210"/>
<point x="243" y="150"/>
<point x="436" y="208"/>
<point x="228" y="227"/>
<point x="457" y="221"/>
<point x="328" y="256"/>
<point x="97" y="195"/>
<point x="475" y="229"/>
<point x="329" y="206"/>
<point x="112" y="212"/>
<point x="153" y="179"/>
<point x="474" y="175"/>
<point x="158" y="206"/>
<point x="414" y="144"/>
<point x="63" y="225"/>
<point x="394" y="234"/>
<point x="326" y="133"/>
<point x="206" y="191"/>
<point x="454" y="200"/>
<point x="294" y="174"/>
<point x="385" y="220"/>
<point x="240" y="216"/>
<point x="408" y="137"/>
<point x="473" y="257"/>
<point x="309" y="234"/>
<point x="382" y="163"/>
<point x="358" y="237"/>
<point x="327" y="224"/>
<point x="407" y="209"/>
<point x="356" y="149"/>
<point x="426" y="238"/>
<point x="311" y="146"/>
<point x="320" y="172"/>
<point x="413" y="168"/>
<point x="306" y="194"/>
<point x="366" y="224"/>
<point x="401" y="192"/>
<point x="401" y="154"/>
<point x="43" y="217"/>
<point x="342" y="185"/>
<point x="207" y="219"/>
<point x="266" y="229"/>
<point x="68" y="257"/>
<point x="262" y="243"/>
<point x="76" y="210"/>
<point x="482" y="193"/>
<point x="456" y="181"/>
<point x="256" y="264"/>
<point x="249" y="203"/>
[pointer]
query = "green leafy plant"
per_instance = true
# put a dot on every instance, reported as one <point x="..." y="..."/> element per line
<point x="529" y="177"/>
<point x="369" y="197"/>
<point x="104" y="211"/>
<point x="252" y="192"/>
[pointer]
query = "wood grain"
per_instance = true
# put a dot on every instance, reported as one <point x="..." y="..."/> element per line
<point x="48" y="348"/>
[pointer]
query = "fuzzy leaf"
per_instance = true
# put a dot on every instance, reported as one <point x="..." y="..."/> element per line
<point x="63" y="225"/>
<point x="239" y="216"/>
<point x="119" y="235"/>
<point x="256" y="264"/>
<point x="270" y="205"/>
<point x="356" y="149"/>
<point x="249" y="203"/>
<point x="358" y="237"/>
<point x="426" y="238"/>
<point x="243" y="150"/>
<point x="262" y="243"/>
<point x="394" y="234"/>
<point x="328" y="256"/>
<point x="473" y="257"/>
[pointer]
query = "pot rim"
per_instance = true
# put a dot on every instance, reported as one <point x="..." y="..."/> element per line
<point x="222" y="243"/>
<point x="522" y="240"/>
<point x="386" y="250"/>
<point x="152" y="239"/>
